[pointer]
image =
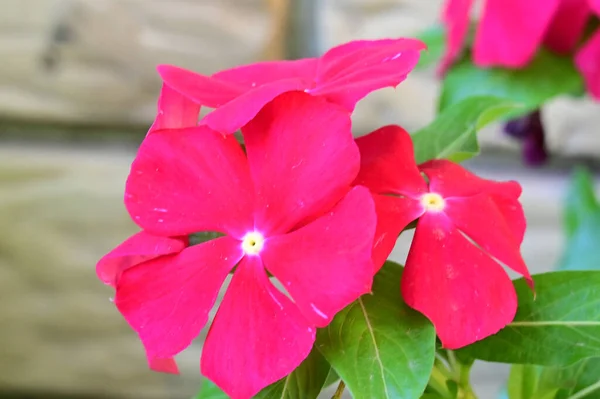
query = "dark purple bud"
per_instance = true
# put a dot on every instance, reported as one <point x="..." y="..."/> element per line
<point x="530" y="130"/>
<point x="517" y="128"/>
<point x="520" y="128"/>
<point x="534" y="147"/>
<point x="534" y="154"/>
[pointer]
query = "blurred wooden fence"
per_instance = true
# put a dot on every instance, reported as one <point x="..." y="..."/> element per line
<point x="93" y="61"/>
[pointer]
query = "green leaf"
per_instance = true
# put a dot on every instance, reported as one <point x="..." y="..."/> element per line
<point x="306" y="382"/>
<point x="208" y="390"/>
<point x="547" y="76"/>
<point x="558" y="328"/>
<point x="380" y="347"/>
<point x="453" y="134"/>
<point x="435" y="39"/>
<point x="331" y="379"/>
<point x="579" y="378"/>
<point x="582" y="225"/>
<point x="582" y="250"/>
<point x="523" y="381"/>
<point x="580" y="200"/>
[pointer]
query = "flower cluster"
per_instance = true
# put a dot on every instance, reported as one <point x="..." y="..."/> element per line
<point x="510" y="32"/>
<point x="306" y="215"/>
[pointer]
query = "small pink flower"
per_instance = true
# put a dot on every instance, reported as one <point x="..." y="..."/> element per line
<point x="286" y="206"/>
<point x="343" y="75"/>
<point x="465" y="226"/>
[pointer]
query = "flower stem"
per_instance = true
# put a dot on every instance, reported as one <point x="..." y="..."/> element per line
<point x="339" y="391"/>
<point x="460" y="374"/>
<point x="437" y="381"/>
<point x="586" y="391"/>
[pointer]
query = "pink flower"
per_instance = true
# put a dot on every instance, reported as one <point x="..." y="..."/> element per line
<point x="465" y="226"/>
<point x="510" y="32"/>
<point x="343" y="75"/>
<point x="286" y="206"/>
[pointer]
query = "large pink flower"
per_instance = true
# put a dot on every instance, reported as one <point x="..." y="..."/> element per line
<point x="510" y="32"/>
<point x="343" y="75"/>
<point x="286" y="206"/>
<point x="465" y="226"/>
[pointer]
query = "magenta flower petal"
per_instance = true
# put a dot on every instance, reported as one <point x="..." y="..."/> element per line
<point x="347" y="76"/>
<point x="595" y="4"/>
<point x="163" y="365"/>
<point x="452" y="180"/>
<point x="167" y="300"/>
<point x="465" y="294"/>
<point x="339" y="60"/>
<point x="139" y="248"/>
<point x="455" y="18"/>
<point x="393" y="215"/>
<point x="510" y="31"/>
<point x="326" y="264"/>
<point x="302" y="157"/>
<point x="359" y="55"/>
<point x="194" y="180"/>
<point x="388" y="163"/>
<point x="343" y="75"/>
<point x="260" y="73"/>
<point x="204" y="90"/>
<point x="513" y="214"/>
<point x="481" y="220"/>
<point x="567" y="25"/>
<point x="230" y="117"/>
<point x="587" y="61"/>
<point x="258" y="336"/>
<point x="174" y="110"/>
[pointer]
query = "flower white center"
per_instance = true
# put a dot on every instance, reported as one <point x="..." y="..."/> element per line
<point x="433" y="202"/>
<point x="253" y="243"/>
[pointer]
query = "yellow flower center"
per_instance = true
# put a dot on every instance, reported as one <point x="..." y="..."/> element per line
<point x="253" y="243"/>
<point x="433" y="202"/>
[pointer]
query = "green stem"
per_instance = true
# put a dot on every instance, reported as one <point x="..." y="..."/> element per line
<point x="442" y="368"/>
<point x="441" y="360"/>
<point x="585" y="391"/>
<point x="460" y="373"/>
<point x="467" y="392"/>
<point x="339" y="391"/>
<point x="437" y="381"/>
<point x="454" y="365"/>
